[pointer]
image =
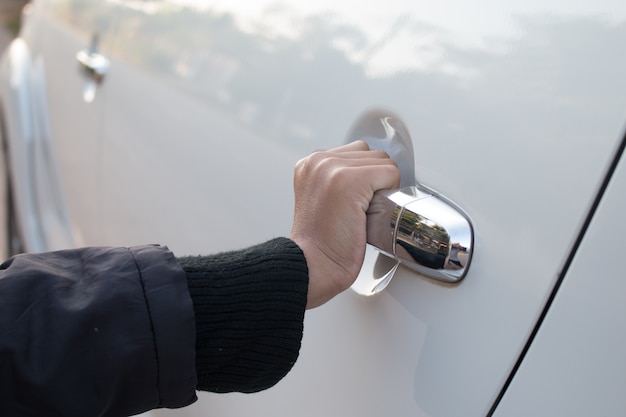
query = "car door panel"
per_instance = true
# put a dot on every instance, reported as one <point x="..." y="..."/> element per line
<point x="504" y="135"/>
<point x="580" y="339"/>
<point x="515" y="111"/>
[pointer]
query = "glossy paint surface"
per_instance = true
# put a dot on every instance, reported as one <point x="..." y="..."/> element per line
<point x="576" y="366"/>
<point x="515" y="110"/>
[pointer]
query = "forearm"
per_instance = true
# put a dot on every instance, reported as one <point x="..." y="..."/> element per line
<point x="116" y="331"/>
<point x="95" y="331"/>
<point x="249" y="308"/>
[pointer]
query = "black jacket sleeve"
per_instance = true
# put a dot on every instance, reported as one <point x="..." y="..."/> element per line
<point x="95" y="331"/>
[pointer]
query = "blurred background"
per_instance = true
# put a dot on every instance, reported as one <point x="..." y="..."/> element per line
<point x="10" y="11"/>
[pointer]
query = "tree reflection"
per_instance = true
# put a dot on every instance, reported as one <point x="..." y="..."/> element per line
<point x="289" y="87"/>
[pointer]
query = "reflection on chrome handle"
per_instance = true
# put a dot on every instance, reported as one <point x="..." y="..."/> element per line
<point x="421" y="230"/>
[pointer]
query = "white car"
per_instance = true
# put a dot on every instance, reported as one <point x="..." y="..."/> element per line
<point x="179" y="122"/>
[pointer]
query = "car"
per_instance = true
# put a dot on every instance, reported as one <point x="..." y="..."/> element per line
<point x="179" y="122"/>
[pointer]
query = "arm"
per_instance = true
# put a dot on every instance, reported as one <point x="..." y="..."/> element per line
<point x="95" y="331"/>
<point x="259" y="294"/>
<point x="112" y="331"/>
<point x="249" y="308"/>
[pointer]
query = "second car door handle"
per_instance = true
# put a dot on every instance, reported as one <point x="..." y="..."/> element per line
<point x="94" y="64"/>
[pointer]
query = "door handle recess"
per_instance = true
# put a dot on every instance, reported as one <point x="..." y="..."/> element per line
<point x="414" y="225"/>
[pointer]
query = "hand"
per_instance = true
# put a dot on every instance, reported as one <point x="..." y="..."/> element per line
<point x="333" y="190"/>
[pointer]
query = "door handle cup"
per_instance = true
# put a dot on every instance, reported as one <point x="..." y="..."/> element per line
<point x="423" y="231"/>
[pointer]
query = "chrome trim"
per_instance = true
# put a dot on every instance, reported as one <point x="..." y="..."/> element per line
<point x="422" y="231"/>
<point x="96" y="65"/>
<point x="413" y="225"/>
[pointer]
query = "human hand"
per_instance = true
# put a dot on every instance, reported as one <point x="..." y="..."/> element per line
<point x="333" y="190"/>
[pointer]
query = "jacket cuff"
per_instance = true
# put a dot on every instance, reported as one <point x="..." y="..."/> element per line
<point x="249" y="307"/>
<point x="173" y="327"/>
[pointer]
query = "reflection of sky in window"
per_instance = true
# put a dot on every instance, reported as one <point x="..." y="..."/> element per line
<point x="400" y="35"/>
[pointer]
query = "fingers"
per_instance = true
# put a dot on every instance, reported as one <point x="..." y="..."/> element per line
<point x="355" y="149"/>
<point x="351" y="163"/>
<point x="384" y="177"/>
<point x="358" y="145"/>
<point x="349" y="155"/>
<point x="358" y="152"/>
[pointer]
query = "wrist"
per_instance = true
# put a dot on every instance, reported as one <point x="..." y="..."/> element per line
<point x="248" y="305"/>
<point x="325" y="276"/>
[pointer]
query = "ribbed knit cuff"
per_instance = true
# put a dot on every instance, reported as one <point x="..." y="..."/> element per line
<point x="249" y="307"/>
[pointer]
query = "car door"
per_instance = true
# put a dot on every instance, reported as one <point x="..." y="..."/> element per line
<point x="73" y="42"/>
<point x="573" y="365"/>
<point x="515" y="112"/>
<point x="209" y="180"/>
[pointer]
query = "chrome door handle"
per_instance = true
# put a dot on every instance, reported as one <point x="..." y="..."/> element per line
<point x="421" y="230"/>
<point x="94" y="64"/>
<point x="413" y="225"/>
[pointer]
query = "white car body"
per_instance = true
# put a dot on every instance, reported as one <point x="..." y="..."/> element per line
<point x="517" y="114"/>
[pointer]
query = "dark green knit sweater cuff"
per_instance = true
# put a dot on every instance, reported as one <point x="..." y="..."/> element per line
<point x="249" y="307"/>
